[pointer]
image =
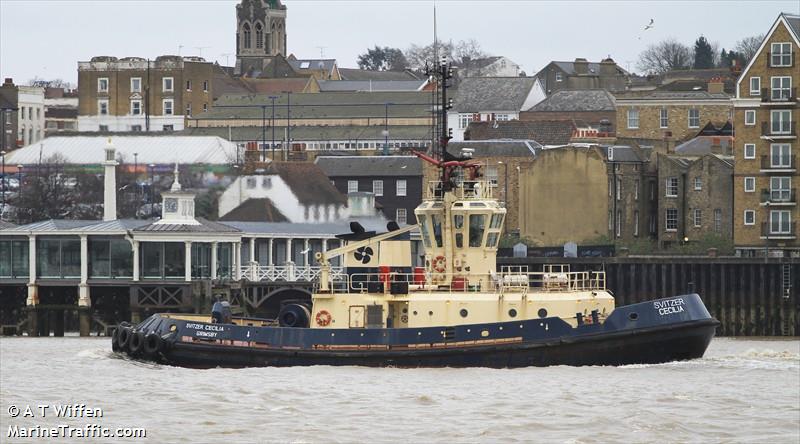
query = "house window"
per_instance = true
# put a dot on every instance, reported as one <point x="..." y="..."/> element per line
<point x="718" y="220"/>
<point x="781" y="54"/>
<point x="781" y="121"/>
<point x="205" y="107"/>
<point x="136" y="84"/>
<point x="780" y="189"/>
<point x="501" y="117"/>
<point x="750" y="117"/>
<point x="102" y="84"/>
<point x="672" y="187"/>
<point x="663" y="118"/>
<point x="559" y="76"/>
<point x="619" y="189"/>
<point x="749" y="217"/>
<point x="168" y="128"/>
<point x="749" y="150"/>
<point x="636" y="223"/>
<point x="781" y="88"/>
<point x="352" y="186"/>
<point x="698" y="184"/>
<point x="697" y="217"/>
<point x="251" y="183"/>
<point x="188" y="85"/>
<point x="401" y="186"/>
<point x="780" y="155"/>
<point x="136" y="128"/>
<point x="103" y="128"/>
<point x="749" y="184"/>
<point x="610" y="220"/>
<point x="205" y="85"/>
<point x="619" y="223"/>
<point x="491" y="175"/>
<point x="780" y="222"/>
<point x="168" y="103"/>
<point x="189" y="108"/>
<point x="377" y="188"/>
<point x="167" y="84"/>
<point x="633" y="119"/>
<point x="136" y="107"/>
<point x="636" y="189"/>
<point x="694" y="118"/>
<point x="102" y="107"/>
<point x="755" y="86"/>
<point x="672" y="219"/>
<point x="463" y="120"/>
<point x="400" y="217"/>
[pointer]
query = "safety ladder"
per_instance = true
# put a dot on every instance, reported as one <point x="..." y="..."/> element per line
<point x="786" y="288"/>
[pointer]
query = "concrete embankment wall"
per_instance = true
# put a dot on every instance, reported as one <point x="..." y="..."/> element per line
<point x="750" y="297"/>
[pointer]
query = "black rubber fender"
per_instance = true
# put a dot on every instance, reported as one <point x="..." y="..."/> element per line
<point x="115" y="340"/>
<point x="124" y="338"/>
<point x="152" y="344"/>
<point x="136" y="343"/>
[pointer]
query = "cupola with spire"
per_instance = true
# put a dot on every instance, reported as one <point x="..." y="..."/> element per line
<point x="177" y="205"/>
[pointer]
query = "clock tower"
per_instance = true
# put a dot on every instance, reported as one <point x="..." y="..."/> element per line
<point x="177" y="206"/>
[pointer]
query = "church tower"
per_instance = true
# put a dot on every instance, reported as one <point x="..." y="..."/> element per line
<point x="260" y="33"/>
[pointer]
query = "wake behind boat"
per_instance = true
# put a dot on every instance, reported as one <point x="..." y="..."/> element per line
<point x="458" y="310"/>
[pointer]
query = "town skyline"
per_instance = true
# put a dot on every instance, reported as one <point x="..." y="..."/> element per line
<point x="208" y="30"/>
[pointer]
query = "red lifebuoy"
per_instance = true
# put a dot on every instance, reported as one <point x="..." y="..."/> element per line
<point x="323" y="318"/>
<point x="438" y="264"/>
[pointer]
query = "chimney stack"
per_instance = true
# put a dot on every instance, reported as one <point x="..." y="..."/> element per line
<point x="581" y="66"/>
<point x="716" y="85"/>
<point x="110" y="184"/>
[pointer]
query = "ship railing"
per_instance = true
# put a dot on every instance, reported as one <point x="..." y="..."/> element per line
<point x="288" y="273"/>
<point x="463" y="189"/>
<point x="508" y="280"/>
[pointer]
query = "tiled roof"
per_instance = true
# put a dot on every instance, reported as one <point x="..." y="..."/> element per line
<point x="546" y="132"/>
<point x="497" y="148"/>
<point x="363" y="74"/>
<point x="255" y="210"/>
<point x="353" y="166"/>
<point x="308" y="183"/>
<point x="319" y="133"/>
<point x="276" y="86"/>
<point x="576" y="100"/>
<point x="155" y="148"/>
<point x="205" y="226"/>
<point x="479" y="94"/>
<point x="703" y="145"/>
<point x="370" y="85"/>
<point x="312" y="64"/>
<point x="794" y="23"/>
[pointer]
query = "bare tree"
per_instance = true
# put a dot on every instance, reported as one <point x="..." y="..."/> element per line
<point x="748" y="46"/>
<point x="665" y="56"/>
<point x="420" y="56"/>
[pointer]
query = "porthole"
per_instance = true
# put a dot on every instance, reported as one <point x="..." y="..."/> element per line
<point x="405" y="310"/>
<point x="415" y="312"/>
<point x="430" y="313"/>
<point x="512" y="313"/>
<point x="542" y="313"/>
<point x="633" y="316"/>
<point x="463" y="312"/>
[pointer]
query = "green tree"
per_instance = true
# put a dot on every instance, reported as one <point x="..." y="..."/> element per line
<point x="383" y="59"/>
<point x="703" y="54"/>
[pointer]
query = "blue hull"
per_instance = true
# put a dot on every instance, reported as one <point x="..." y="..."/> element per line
<point x="658" y="331"/>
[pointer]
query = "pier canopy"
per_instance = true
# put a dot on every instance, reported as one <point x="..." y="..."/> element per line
<point x="142" y="149"/>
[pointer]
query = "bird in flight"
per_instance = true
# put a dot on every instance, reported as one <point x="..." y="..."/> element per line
<point x="649" y="25"/>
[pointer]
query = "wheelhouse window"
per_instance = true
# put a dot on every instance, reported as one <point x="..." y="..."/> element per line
<point x="477" y="226"/>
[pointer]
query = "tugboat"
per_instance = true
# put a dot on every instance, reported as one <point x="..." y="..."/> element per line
<point x="456" y="311"/>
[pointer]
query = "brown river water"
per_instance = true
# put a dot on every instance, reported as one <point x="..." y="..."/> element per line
<point x="744" y="390"/>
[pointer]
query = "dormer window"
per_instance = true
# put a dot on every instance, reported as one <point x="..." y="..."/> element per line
<point x="559" y="76"/>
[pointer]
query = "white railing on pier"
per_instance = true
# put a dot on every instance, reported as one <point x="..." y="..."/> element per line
<point x="290" y="273"/>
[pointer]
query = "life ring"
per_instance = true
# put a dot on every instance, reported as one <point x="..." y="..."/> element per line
<point x="438" y="264"/>
<point x="324" y="318"/>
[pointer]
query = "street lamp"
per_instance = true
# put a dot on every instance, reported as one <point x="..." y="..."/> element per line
<point x="3" y="181"/>
<point x="272" y="124"/>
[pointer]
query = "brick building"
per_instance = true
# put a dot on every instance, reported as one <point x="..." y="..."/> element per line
<point x="135" y="94"/>
<point x="765" y="176"/>
<point x="10" y="115"/>
<point x="694" y="197"/>
<point x="631" y="201"/>
<point x="670" y="117"/>
<point x="582" y="74"/>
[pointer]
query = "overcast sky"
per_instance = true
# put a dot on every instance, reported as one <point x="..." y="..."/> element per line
<point x="47" y="38"/>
